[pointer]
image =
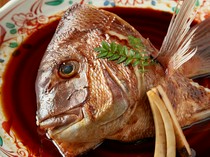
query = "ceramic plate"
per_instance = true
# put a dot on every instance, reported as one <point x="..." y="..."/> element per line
<point x="20" y="19"/>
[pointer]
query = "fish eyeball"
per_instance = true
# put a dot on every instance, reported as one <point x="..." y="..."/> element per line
<point x="68" y="69"/>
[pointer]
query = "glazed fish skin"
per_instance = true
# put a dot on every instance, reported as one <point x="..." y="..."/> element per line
<point x="180" y="58"/>
<point x="78" y="115"/>
<point x="79" y="112"/>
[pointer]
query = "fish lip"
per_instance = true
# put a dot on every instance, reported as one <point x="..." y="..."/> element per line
<point x="69" y="117"/>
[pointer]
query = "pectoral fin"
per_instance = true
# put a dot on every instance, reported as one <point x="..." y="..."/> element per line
<point x="175" y="49"/>
<point x="184" y="49"/>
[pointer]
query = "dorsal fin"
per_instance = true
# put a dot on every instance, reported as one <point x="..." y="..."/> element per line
<point x="175" y="48"/>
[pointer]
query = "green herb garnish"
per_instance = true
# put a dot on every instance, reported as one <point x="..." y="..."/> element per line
<point x="135" y="55"/>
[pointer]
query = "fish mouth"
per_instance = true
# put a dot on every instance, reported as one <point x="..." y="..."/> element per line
<point x="69" y="117"/>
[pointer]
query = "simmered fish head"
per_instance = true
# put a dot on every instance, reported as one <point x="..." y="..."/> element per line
<point x="82" y="99"/>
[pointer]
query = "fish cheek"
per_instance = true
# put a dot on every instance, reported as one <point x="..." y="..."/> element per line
<point x="43" y="94"/>
<point x="106" y="101"/>
<point x="68" y="96"/>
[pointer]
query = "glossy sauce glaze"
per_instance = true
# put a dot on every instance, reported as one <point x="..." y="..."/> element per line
<point x="19" y="99"/>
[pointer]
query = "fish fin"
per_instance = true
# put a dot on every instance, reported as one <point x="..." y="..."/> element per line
<point x="175" y="48"/>
<point x="190" y="100"/>
<point x="200" y="63"/>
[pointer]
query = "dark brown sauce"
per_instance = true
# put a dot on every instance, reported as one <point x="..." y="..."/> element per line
<point x="19" y="100"/>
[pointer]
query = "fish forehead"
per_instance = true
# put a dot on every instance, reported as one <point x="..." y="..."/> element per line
<point x="83" y="17"/>
<point x="77" y="22"/>
<point x="81" y="29"/>
<point x="81" y="23"/>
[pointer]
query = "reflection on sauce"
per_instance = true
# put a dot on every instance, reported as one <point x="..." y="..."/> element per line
<point x="19" y="97"/>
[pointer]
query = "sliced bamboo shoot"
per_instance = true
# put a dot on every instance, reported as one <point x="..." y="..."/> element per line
<point x="169" y="134"/>
<point x="160" y="140"/>
<point x="181" y="142"/>
<point x="157" y="105"/>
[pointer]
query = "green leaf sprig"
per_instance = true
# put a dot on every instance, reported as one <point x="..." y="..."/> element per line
<point x="136" y="55"/>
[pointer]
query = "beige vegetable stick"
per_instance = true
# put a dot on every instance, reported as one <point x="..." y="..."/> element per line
<point x="181" y="142"/>
<point x="160" y="139"/>
<point x="168" y="125"/>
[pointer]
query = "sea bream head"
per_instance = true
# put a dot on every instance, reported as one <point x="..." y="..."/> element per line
<point x="82" y="99"/>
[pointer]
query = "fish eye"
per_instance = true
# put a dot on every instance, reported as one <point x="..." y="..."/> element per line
<point x="68" y="69"/>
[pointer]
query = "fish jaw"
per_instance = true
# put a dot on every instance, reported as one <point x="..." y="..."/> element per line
<point x="69" y="117"/>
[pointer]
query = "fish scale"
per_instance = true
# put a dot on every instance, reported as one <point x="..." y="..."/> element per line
<point x="97" y="80"/>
